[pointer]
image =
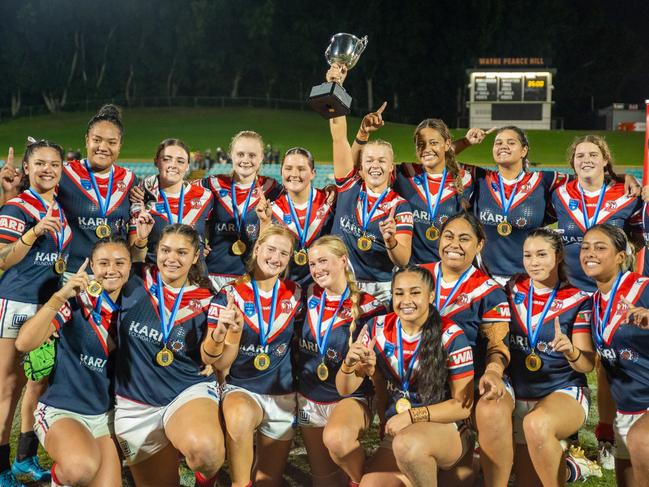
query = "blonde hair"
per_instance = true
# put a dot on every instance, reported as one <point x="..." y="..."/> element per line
<point x="270" y="231"/>
<point x="336" y="246"/>
<point x="380" y="143"/>
<point x="449" y="156"/>
<point x="246" y="134"/>
<point x="600" y="142"/>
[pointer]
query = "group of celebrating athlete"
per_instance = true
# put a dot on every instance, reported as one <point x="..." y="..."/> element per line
<point x="211" y="319"/>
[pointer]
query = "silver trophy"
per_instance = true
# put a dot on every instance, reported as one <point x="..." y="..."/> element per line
<point x="331" y="99"/>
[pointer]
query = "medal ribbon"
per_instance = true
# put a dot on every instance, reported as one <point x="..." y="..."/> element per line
<point x="96" y="312"/>
<point x="507" y="203"/>
<point x="533" y="334"/>
<point x="322" y="342"/>
<point x="264" y="332"/>
<point x="405" y="378"/>
<point x="167" y="325"/>
<point x="367" y="217"/>
<point x="59" y="235"/>
<point x="181" y="202"/>
<point x="103" y="204"/>
<point x="432" y="211"/>
<point x="438" y="285"/>
<point x="600" y="324"/>
<point x="240" y="219"/>
<point x="302" y="234"/>
<point x="587" y="221"/>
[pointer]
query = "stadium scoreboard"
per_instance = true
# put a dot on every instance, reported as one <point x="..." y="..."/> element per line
<point x="510" y="91"/>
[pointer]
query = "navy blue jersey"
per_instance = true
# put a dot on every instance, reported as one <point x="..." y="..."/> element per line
<point x="372" y="265"/>
<point x="81" y="380"/>
<point x="529" y="210"/>
<point x="197" y="205"/>
<point x="617" y="209"/>
<point x="409" y="183"/>
<point x="278" y="377"/>
<point x="138" y="376"/>
<point x="478" y="301"/>
<point x="222" y="228"/>
<point x="573" y="308"/>
<point x="624" y="349"/>
<point x="337" y="345"/>
<point x="82" y="208"/>
<point x="32" y="280"/>
<point x="320" y="222"/>
<point x="459" y="362"/>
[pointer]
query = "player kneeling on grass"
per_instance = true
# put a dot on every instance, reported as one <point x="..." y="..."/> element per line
<point x="424" y="380"/>
<point x="620" y="327"/>
<point x="74" y="418"/>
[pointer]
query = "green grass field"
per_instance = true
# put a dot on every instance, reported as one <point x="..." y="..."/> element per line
<point x="204" y="128"/>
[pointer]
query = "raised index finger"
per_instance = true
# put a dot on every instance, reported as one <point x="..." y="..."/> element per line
<point x="382" y="107"/>
<point x="394" y="208"/>
<point x="10" y="157"/>
<point x="491" y="130"/>
<point x="557" y="327"/>
<point x="362" y="334"/>
<point x="83" y="266"/>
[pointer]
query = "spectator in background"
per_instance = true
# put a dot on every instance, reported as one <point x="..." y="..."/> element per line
<point x="222" y="156"/>
<point x="208" y="162"/>
<point x="197" y="160"/>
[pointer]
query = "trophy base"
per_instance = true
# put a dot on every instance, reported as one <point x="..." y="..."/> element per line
<point x="330" y="100"/>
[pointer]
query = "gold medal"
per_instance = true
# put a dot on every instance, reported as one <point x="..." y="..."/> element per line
<point x="262" y="361"/>
<point x="533" y="362"/>
<point x="164" y="357"/>
<point x="239" y="247"/>
<point x="432" y="233"/>
<point x="94" y="288"/>
<point x="402" y="405"/>
<point x="504" y="228"/>
<point x="364" y="243"/>
<point x="300" y="257"/>
<point x="322" y="372"/>
<point x="103" y="231"/>
<point x="60" y="266"/>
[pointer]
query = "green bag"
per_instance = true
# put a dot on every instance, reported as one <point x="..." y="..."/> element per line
<point x="39" y="363"/>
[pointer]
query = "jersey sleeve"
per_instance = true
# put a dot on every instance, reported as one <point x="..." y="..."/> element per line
<point x="13" y="223"/>
<point x="346" y="183"/>
<point x="459" y="353"/>
<point x="582" y="320"/>
<point x="62" y="316"/>
<point x="403" y="218"/>
<point x="218" y="303"/>
<point x="496" y="307"/>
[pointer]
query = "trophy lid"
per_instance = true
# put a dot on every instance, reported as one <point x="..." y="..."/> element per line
<point x="345" y="49"/>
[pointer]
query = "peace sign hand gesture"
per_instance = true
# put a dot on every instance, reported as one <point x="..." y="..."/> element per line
<point x="49" y="223"/>
<point x="637" y="315"/>
<point x="561" y="343"/>
<point x="388" y="226"/>
<point x="374" y="121"/>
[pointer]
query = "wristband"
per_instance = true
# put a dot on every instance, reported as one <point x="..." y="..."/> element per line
<point x="394" y="246"/>
<point x="145" y="240"/>
<point x="576" y="358"/>
<point x="209" y="354"/>
<point x="360" y="142"/>
<point x="348" y="371"/>
<point x="419" y="415"/>
<point x="55" y="303"/>
<point x="30" y="240"/>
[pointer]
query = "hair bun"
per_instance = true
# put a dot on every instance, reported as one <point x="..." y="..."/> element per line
<point x="110" y="111"/>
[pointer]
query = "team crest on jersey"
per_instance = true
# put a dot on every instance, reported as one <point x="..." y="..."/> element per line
<point x="86" y="184"/>
<point x="281" y="349"/>
<point x="322" y="211"/>
<point x="121" y="185"/>
<point x="621" y="308"/>
<point x="332" y="355"/>
<point x="521" y="222"/>
<point x="251" y="230"/>
<point x="573" y="204"/>
<point x="345" y="313"/>
<point x="524" y="188"/>
<point x="628" y="354"/>
<point x="288" y="219"/>
<point x="388" y="349"/>
<point x="443" y="219"/>
<point x="223" y="192"/>
<point x="519" y="298"/>
<point x="286" y="306"/>
<point x="195" y="304"/>
<point x="313" y="302"/>
<point x="542" y="346"/>
<point x="462" y="299"/>
<point x="494" y="186"/>
<point x="195" y="203"/>
<point x="159" y="207"/>
<point x="557" y="304"/>
<point x="176" y="345"/>
<point x="249" y="309"/>
<point x="610" y="205"/>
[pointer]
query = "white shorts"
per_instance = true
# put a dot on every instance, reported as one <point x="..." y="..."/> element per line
<point x="45" y="416"/>
<point x="579" y="394"/>
<point x="219" y="281"/>
<point x="140" y="428"/>
<point x="380" y="290"/>
<point x="312" y="414"/>
<point x="467" y="437"/>
<point x="509" y="389"/>
<point x="279" y="418"/>
<point x="12" y="316"/>
<point x="621" y="427"/>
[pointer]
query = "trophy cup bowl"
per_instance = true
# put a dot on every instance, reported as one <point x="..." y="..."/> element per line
<point x="331" y="99"/>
